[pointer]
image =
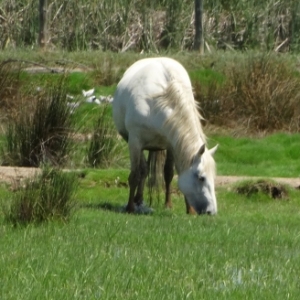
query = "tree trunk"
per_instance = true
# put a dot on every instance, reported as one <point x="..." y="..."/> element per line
<point x="199" y="39"/>
<point x="43" y="4"/>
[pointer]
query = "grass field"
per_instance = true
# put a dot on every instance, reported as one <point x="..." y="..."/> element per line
<point x="250" y="250"/>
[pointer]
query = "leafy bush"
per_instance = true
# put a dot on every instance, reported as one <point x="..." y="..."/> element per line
<point x="49" y="195"/>
<point x="40" y="133"/>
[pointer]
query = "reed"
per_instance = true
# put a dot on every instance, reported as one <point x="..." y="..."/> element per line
<point x="152" y="25"/>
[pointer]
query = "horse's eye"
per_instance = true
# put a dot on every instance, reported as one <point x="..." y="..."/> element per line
<point x="201" y="178"/>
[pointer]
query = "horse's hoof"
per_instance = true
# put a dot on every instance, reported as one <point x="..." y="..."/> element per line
<point x="169" y="205"/>
<point x="130" y="209"/>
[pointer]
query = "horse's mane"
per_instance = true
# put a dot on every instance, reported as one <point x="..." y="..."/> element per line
<point x="183" y="124"/>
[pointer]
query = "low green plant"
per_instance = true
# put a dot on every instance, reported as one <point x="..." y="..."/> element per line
<point x="49" y="195"/>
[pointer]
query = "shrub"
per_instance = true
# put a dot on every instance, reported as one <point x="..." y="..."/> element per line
<point x="265" y="92"/>
<point x="47" y="196"/>
<point x="261" y="93"/>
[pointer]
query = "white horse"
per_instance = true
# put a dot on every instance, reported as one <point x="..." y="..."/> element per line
<point x="154" y="109"/>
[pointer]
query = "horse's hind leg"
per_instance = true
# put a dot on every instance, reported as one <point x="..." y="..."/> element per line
<point x="168" y="176"/>
<point x="143" y="172"/>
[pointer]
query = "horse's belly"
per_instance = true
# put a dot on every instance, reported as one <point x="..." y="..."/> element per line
<point x="151" y="140"/>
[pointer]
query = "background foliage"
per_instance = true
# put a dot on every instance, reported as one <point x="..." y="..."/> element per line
<point x="152" y="25"/>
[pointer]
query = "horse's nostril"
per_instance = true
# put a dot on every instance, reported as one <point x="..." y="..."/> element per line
<point x="209" y="212"/>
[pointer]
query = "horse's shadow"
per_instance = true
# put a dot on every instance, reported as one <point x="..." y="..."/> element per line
<point x="106" y="206"/>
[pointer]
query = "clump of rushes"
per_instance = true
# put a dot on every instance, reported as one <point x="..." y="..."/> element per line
<point x="9" y="83"/>
<point x="103" y="146"/>
<point x="41" y="132"/>
<point x="47" y="196"/>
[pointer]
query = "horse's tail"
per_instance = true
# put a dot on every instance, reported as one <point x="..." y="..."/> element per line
<point x="156" y="161"/>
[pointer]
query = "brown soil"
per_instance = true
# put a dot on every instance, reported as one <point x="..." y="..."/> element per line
<point x="16" y="174"/>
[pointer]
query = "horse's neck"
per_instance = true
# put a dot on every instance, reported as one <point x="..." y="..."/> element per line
<point x="185" y="149"/>
<point x="182" y="122"/>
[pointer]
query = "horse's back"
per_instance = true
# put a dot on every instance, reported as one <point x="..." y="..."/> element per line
<point x="150" y="68"/>
<point x="136" y="92"/>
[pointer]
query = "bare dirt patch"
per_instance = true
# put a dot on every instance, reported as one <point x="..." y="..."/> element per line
<point x="16" y="174"/>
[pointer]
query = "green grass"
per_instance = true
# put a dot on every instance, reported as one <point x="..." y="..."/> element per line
<point x="206" y="76"/>
<point x="78" y="81"/>
<point x="87" y="113"/>
<point x="249" y="251"/>
<point x="74" y="83"/>
<point x="85" y="116"/>
<point x="276" y="155"/>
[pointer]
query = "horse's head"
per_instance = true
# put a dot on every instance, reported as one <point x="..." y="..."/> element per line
<point x="197" y="183"/>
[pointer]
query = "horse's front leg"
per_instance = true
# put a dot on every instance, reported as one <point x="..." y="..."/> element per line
<point x="133" y="184"/>
<point x="143" y="172"/>
<point x="189" y="209"/>
<point x="134" y="176"/>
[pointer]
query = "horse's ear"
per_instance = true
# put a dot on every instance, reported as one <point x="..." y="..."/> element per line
<point x="201" y="150"/>
<point x="213" y="150"/>
<point x="199" y="153"/>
